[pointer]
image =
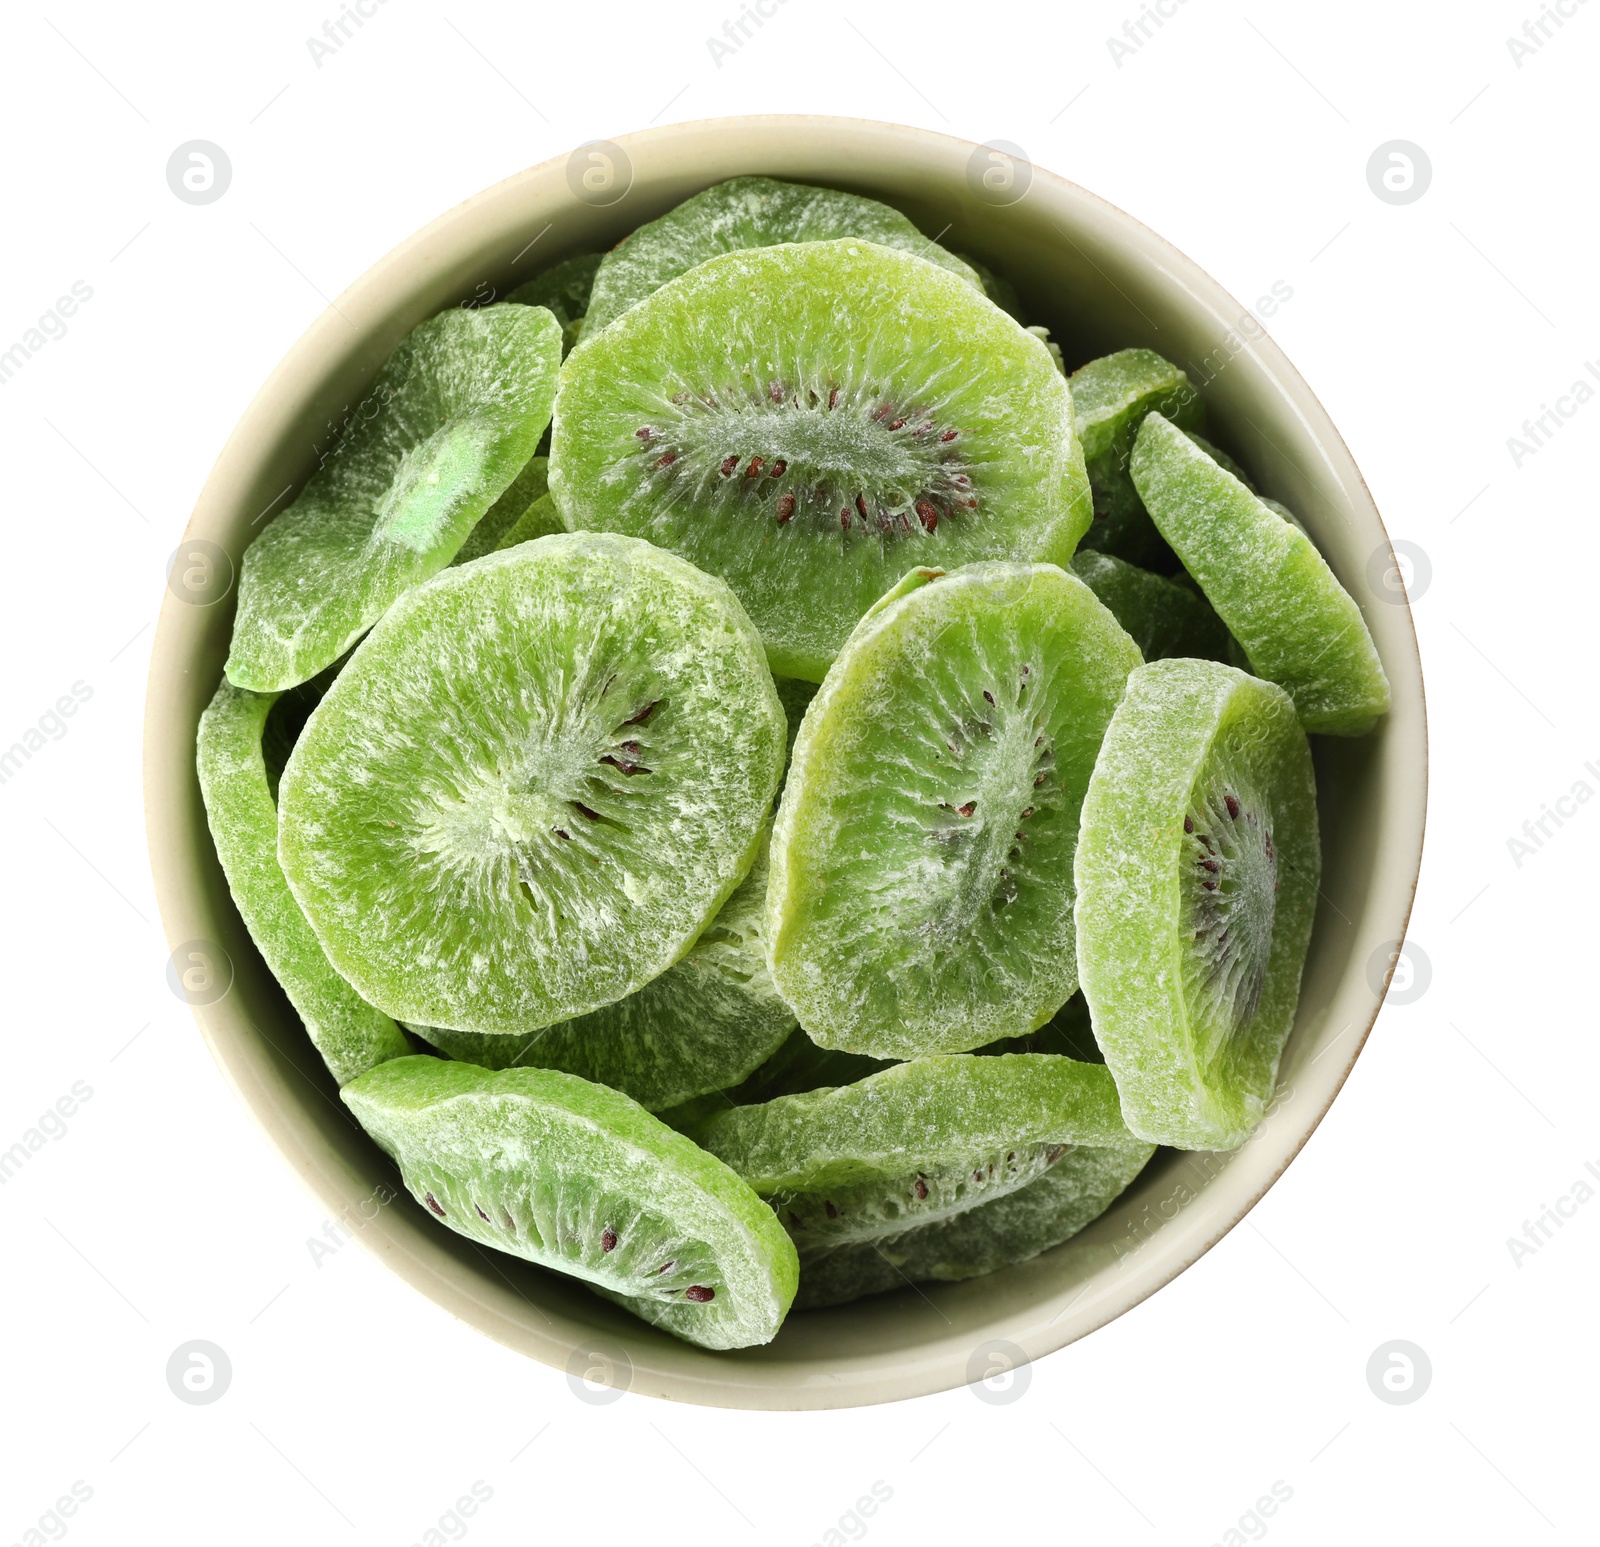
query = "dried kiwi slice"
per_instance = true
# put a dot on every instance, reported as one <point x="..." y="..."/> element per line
<point x="580" y="1179"/>
<point x="798" y="420"/>
<point x="564" y="290"/>
<point x="503" y="517"/>
<point x="921" y="896"/>
<point x="1110" y="398"/>
<point x="919" y="1142"/>
<point x="533" y="785"/>
<point x="740" y="214"/>
<point x="706" y="1023"/>
<point x="1164" y="617"/>
<point x="237" y="786"/>
<point x="1197" y="874"/>
<point x="1299" y="627"/>
<point x="456" y="413"/>
<point x="1076" y="1190"/>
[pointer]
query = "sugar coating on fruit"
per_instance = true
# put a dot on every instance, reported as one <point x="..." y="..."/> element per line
<point x="452" y="419"/>
<point x="706" y="1023"/>
<point x="1299" y="627"/>
<point x="1197" y="874"/>
<point x="1074" y="1191"/>
<point x="350" y="1034"/>
<point x="743" y="213"/>
<point x="578" y="1178"/>
<point x="533" y="785"/>
<point x="796" y="420"/>
<point x="921" y="896"/>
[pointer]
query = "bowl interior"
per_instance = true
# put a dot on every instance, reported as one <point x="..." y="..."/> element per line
<point x="1099" y="281"/>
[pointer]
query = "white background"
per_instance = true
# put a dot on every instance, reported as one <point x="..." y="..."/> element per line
<point x="359" y="1412"/>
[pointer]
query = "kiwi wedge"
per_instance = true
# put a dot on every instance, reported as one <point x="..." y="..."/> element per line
<point x="793" y="420"/>
<point x="1197" y="872"/>
<point x="737" y="215"/>
<point x="921" y="896"/>
<point x="1299" y="627"/>
<point x="239" y="793"/>
<point x="533" y="785"/>
<point x="455" y="415"/>
<point x="1110" y="398"/>
<point x="581" y="1180"/>
<point x="707" y="1022"/>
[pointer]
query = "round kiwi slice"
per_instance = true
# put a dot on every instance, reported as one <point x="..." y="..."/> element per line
<point x="503" y="517"/>
<point x="580" y="1179"/>
<point x="452" y="419"/>
<point x="921" y="1141"/>
<point x="533" y="785"/>
<point x="1076" y="1190"/>
<point x="238" y="789"/>
<point x="1299" y="627"/>
<point x="1164" y="617"/>
<point x="810" y="421"/>
<point x="921" y="896"/>
<point x="735" y="216"/>
<point x="1197" y="874"/>
<point x="706" y="1023"/>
